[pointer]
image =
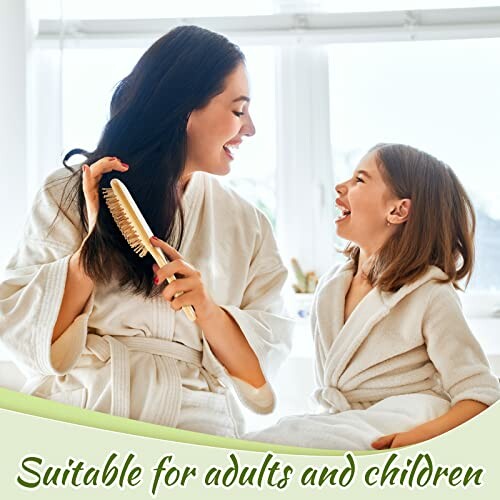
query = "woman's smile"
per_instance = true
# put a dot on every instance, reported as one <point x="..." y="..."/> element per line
<point x="229" y="148"/>
<point x="216" y="130"/>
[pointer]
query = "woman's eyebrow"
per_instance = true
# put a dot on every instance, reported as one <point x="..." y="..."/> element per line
<point x="365" y="173"/>
<point x="242" y="98"/>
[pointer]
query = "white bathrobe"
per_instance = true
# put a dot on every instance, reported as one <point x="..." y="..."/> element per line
<point x="137" y="358"/>
<point x="401" y="359"/>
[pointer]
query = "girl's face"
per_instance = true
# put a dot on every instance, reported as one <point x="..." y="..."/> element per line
<point x="367" y="205"/>
<point x="216" y="131"/>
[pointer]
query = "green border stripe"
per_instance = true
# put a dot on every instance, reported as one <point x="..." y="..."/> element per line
<point x="31" y="405"/>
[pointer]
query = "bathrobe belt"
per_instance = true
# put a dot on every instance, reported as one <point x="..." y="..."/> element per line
<point x="332" y="399"/>
<point x="116" y="349"/>
<point x="335" y="401"/>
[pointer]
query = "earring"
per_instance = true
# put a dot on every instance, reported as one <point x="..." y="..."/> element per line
<point x="387" y="223"/>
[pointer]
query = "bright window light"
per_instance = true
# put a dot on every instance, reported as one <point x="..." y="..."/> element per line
<point x="89" y="79"/>
<point x="149" y="9"/>
<point x="442" y="97"/>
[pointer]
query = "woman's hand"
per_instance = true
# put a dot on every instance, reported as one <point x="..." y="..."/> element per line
<point x="91" y="177"/>
<point x="399" y="439"/>
<point x="224" y="336"/>
<point x="188" y="281"/>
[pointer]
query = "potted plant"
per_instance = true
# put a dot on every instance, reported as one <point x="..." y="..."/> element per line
<point x="304" y="287"/>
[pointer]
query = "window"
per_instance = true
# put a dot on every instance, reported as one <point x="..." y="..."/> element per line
<point x="149" y="9"/>
<point x="88" y="83"/>
<point x="388" y="5"/>
<point x="442" y="97"/>
<point x="254" y="170"/>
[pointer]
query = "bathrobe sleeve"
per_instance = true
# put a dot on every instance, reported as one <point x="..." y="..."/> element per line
<point x="262" y="319"/>
<point x="33" y="285"/>
<point x="455" y="352"/>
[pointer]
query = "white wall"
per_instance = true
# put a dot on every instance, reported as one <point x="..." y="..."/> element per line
<point x="13" y="122"/>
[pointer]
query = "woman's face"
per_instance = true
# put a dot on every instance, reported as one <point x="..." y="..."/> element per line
<point x="366" y="204"/>
<point x="215" y="131"/>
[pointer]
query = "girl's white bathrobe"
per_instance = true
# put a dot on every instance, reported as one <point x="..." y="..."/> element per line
<point x="136" y="357"/>
<point x="401" y="359"/>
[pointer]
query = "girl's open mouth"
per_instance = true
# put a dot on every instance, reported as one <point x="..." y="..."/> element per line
<point x="344" y="214"/>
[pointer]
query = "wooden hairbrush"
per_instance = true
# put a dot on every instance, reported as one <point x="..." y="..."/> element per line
<point x="135" y="229"/>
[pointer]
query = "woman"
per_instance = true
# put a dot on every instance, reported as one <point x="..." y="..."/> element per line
<point x="94" y="325"/>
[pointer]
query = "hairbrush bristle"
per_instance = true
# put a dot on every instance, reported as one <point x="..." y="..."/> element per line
<point x="135" y="229"/>
<point x="124" y="223"/>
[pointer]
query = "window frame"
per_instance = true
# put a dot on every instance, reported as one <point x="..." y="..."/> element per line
<point x="292" y="32"/>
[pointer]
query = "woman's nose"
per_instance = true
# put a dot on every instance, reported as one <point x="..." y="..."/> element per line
<point x="248" y="128"/>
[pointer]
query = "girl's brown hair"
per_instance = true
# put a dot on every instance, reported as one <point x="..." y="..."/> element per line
<point x="440" y="227"/>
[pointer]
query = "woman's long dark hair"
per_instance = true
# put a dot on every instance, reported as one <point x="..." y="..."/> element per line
<point x="149" y="112"/>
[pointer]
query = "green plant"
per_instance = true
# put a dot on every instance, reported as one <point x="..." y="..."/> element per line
<point x="305" y="282"/>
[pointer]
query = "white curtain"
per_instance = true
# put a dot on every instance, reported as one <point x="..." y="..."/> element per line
<point x="305" y="185"/>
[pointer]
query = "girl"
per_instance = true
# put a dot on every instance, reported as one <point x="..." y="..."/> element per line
<point x="396" y="362"/>
<point x="91" y="323"/>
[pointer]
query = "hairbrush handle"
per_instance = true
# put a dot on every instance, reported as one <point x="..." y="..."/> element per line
<point x="161" y="260"/>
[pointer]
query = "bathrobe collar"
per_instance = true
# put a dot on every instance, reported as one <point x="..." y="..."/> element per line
<point x="190" y="201"/>
<point x="375" y="306"/>
<point x="345" y="274"/>
<point x="390" y="299"/>
<point x="193" y="191"/>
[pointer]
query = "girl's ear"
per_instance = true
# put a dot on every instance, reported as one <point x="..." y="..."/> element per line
<point x="400" y="212"/>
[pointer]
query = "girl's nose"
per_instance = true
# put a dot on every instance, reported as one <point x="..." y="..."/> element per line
<point x="341" y="188"/>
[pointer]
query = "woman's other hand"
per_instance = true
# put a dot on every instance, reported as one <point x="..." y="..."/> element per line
<point x="79" y="285"/>
<point x="91" y="177"/>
